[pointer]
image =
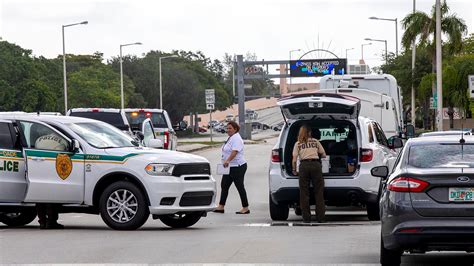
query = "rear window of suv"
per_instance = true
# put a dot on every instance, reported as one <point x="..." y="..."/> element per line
<point x="135" y="119"/>
<point x="114" y="119"/>
<point x="441" y="156"/>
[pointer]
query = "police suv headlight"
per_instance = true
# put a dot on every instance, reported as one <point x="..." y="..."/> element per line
<point x="159" y="169"/>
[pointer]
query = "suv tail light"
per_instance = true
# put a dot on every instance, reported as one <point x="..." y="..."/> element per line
<point x="366" y="155"/>
<point x="407" y="184"/>
<point x="95" y="110"/>
<point x="276" y="156"/>
<point x="167" y="140"/>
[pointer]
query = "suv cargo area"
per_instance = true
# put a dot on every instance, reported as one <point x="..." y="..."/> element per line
<point x="339" y="140"/>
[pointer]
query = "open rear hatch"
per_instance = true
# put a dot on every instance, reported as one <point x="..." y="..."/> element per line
<point x="319" y="105"/>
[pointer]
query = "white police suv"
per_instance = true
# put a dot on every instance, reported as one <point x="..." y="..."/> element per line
<point x="353" y="144"/>
<point x="89" y="166"/>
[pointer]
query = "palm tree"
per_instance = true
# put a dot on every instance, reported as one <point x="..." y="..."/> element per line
<point x="422" y="26"/>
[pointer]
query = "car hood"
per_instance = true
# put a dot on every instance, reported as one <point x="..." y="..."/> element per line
<point x="155" y="155"/>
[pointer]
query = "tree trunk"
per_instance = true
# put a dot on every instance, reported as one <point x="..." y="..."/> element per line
<point x="451" y="117"/>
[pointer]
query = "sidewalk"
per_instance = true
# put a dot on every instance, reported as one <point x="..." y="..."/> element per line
<point x="190" y="145"/>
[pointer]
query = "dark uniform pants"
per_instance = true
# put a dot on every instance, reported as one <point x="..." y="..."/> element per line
<point x="311" y="171"/>
<point x="47" y="213"/>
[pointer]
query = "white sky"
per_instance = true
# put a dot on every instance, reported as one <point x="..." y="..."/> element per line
<point x="270" y="28"/>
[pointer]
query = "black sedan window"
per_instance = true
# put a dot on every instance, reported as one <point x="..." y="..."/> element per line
<point x="441" y="156"/>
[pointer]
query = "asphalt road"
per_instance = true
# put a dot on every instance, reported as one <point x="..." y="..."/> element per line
<point x="348" y="238"/>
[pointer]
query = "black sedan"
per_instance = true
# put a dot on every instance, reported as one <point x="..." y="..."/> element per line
<point x="427" y="203"/>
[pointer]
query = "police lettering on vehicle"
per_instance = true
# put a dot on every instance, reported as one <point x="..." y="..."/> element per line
<point x="9" y="166"/>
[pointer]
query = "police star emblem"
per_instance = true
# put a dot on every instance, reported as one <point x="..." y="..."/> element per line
<point x="63" y="166"/>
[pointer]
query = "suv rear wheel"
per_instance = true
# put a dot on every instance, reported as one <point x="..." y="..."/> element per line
<point x="278" y="212"/>
<point x="123" y="206"/>
<point x="20" y="218"/>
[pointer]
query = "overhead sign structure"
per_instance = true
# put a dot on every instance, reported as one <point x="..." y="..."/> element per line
<point x="210" y="96"/>
<point x="318" y="67"/>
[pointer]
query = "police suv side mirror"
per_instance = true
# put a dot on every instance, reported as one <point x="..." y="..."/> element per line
<point x="155" y="143"/>
<point x="396" y="143"/>
<point x="75" y="146"/>
<point x="380" y="171"/>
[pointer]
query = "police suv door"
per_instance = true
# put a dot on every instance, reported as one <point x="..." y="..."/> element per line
<point x="55" y="174"/>
<point x="12" y="165"/>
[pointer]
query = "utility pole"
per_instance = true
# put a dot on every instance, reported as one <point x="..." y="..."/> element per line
<point x="241" y="92"/>
<point x="439" y="68"/>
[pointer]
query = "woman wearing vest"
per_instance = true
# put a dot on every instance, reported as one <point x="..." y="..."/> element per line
<point x="233" y="157"/>
<point x="309" y="151"/>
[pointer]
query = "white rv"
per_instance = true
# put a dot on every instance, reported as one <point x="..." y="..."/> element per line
<point x="378" y="106"/>
<point x="381" y="83"/>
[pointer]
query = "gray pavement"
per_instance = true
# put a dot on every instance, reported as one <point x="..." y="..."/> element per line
<point x="348" y="238"/>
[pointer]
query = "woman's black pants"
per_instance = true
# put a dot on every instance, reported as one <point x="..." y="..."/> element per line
<point x="235" y="175"/>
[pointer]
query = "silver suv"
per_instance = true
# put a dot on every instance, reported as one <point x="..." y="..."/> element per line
<point x="353" y="144"/>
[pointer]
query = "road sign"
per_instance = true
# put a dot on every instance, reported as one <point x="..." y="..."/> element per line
<point x="471" y="85"/>
<point x="210" y="96"/>
<point x="209" y="106"/>
<point x="433" y="103"/>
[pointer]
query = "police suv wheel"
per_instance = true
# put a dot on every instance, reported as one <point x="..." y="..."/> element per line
<point x="278" y="212"/>
<point x="19" y="218"/>
<point x="181" y="220"/>
<point x="123" y="206"/>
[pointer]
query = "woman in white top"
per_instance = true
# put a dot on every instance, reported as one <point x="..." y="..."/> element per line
<point x="233" y="157"/>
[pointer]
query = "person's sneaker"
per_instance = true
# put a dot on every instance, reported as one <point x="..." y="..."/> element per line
<point x="42" y="226"/>
<point x="54" y="226"/>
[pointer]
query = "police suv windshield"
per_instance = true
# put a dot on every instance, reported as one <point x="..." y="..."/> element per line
<point x="102" y="135"/>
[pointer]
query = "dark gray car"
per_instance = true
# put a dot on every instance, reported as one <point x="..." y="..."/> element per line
<point x="428" y="200"/>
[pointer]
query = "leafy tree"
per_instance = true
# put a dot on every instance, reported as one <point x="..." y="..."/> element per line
<point x="455" y="85"/>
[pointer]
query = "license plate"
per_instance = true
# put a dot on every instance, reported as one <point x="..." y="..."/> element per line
<point x="463" y="194"/>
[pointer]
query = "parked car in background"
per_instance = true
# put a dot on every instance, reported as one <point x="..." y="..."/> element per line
<point x="427" y="203"/>
<point x="229" y="117"/>
<point x="251" y="114"/>
<point x="161" y="123"/>
<point x="278" y="126"/>
<point x="112" y="116"/>
<point x="212" y="123"/>
<point x="259" y="125"/>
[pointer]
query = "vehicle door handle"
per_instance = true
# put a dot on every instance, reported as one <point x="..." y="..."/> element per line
<point x="38" y="159"/>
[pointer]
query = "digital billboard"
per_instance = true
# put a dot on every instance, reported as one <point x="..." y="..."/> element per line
<point x="318" y="67"/>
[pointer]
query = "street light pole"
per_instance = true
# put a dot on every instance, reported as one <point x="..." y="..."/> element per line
<point x="362" y="48"/>
<point x="122" y="101"/>
<point x="161" y="85"/>
<point x="396" y="29"/>
<point x="413" y="58"/>
<point x="297" y="50"/>
<point x="348" y="49"/>
<point x="385" y="41"/>
<point x="64" y="62"/>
